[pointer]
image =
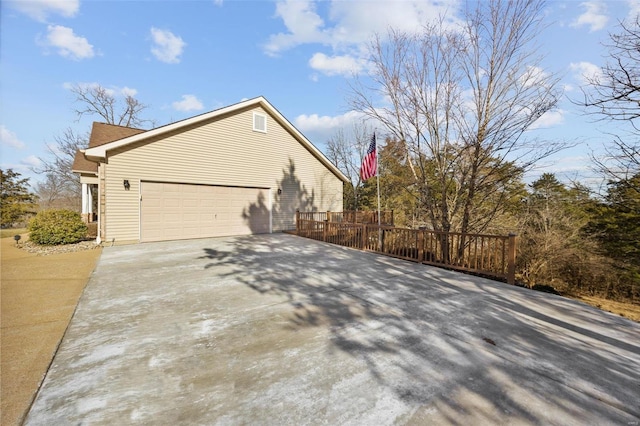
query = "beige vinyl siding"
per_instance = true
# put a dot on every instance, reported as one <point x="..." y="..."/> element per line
<point x="227" y="152"/>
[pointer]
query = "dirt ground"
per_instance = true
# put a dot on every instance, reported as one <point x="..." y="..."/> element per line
<point x="626" y="310"/>
<point x="38" y="297"/>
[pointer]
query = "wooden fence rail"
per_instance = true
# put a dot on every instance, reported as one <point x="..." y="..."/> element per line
<point x="490" y="255"/>
<point x="386" y="217"/>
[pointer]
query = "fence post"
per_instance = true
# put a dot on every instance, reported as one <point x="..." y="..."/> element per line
<point x="329" y="216"/>
<point x="298" y="221"/>
<point x="511" y="268"/>
<point x="363" y="240"/>
<point x="420" y="245"/>
<point x="324" y="230"/>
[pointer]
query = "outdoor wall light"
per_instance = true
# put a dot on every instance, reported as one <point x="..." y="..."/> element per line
<point x="127" y="185"/>
<point x="279" y="191"/>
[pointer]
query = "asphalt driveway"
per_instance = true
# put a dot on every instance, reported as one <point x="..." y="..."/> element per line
<point x="276" y="329"/>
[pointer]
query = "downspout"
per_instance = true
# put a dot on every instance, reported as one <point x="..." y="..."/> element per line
<point x="100" y="202"/>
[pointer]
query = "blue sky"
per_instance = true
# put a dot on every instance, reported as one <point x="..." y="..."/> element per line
<point x="184" y="58"/>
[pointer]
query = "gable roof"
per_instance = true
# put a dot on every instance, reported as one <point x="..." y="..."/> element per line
<point x="101" y="133"/>
<point x="99" y="152"/>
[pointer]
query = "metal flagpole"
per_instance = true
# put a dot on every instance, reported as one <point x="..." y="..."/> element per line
<point x="378" y="181"/>
<point x="377" y="176"/>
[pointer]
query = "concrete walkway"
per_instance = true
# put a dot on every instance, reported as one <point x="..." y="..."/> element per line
<point x="277" y="329"/>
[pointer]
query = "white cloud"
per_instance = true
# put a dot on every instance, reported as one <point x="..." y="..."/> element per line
<point x="25" y="167"/>
<point x="355" y="22"/>
<point x="549" y="119"/>
<point x="350" y="23"/>
<point x="634" y="9"/>
<point x="302" y="22"/>
<point x="320" y="128"/>
<point x="68" y="44"/>
<point x="346" y="28"/>
<point x="325" y="123"/>
<point x="67" y="85"/>
<point x="573" y="167"/>
<point x="167" y="46"/>
<point x="585" y="72"/>
<point x="127" y="91"/>
<point x="8" y="138"/>
<point x="534" y="76"/>
<point x="41" y="9"/>
<point x="218" y="2"/>
<point x="337" y="65"/>
<point x="595" y="16"/>
<point x="188" y="103"/>
<point x="111" y="91"/>
<point x="31" y="161"/>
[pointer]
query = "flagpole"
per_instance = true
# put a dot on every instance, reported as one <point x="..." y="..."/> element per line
<point x="378" y="181"/>
<point x="378" y="178"/>
<point x="368" y="166"/>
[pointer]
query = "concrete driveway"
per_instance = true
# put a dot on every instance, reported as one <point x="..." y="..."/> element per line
<point x="277" y="329"/>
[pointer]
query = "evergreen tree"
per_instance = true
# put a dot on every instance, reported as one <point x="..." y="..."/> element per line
<point x="616" y="224"/>
<point x="15" y="199"/>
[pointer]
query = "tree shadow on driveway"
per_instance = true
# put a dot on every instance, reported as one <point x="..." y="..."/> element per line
<point x="450" y="347"/>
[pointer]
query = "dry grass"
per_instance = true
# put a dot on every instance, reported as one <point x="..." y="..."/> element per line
<point x="627" y="310"/>
<point x="10" y="232"/>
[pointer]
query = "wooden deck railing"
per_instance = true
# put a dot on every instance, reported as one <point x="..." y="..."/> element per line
<point x="490" y="255"/>
<point x="386" y="217"/>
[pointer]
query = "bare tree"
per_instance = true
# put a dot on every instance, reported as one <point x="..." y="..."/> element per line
<point x="54" y="192"/>
<point x="97" y="100"/>
<point x="614" y="95"/>
<point x="346" y="150"/>
<point x="61" y="187"/>
<point x="462" y="99"/>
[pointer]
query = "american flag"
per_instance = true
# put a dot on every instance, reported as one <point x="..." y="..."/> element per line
<point x="369" y="166"/>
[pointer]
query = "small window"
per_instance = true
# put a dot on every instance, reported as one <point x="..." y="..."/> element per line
<point x="259" y="122"/>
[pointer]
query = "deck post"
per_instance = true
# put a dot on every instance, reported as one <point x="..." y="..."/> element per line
<point x="511" y="259"/>
<point x="420" y="243"/>
<point x="363" y="241"/>
<point x="297" y="221"/>
<point x="324" y="230"/>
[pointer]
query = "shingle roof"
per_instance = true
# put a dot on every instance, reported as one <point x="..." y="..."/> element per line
<point x="101" y="133"/>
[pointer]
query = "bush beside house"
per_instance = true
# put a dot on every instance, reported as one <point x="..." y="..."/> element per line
<point x="55" y="227"/>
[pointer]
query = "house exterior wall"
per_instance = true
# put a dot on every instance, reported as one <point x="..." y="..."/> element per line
<point x="224" y="151"/>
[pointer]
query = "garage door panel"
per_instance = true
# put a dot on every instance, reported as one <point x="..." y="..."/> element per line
<point x="180" y="211"/>
<point x="169" y="203"/>
<point x="206" y="203"/>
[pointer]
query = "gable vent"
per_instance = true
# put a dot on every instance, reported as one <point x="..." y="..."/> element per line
<point x="259" y="122"/>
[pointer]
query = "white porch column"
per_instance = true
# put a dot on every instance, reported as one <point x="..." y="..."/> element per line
<point x="87" y="202"/>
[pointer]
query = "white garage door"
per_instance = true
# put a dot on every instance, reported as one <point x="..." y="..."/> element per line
<point x="171" y="211"/>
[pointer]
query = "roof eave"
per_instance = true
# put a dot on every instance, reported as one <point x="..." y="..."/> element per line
<point x="84" y="172"/>
<point x="99" y="153"/>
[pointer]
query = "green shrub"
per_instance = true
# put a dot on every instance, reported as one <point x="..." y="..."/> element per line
<point x="55" y="227"/>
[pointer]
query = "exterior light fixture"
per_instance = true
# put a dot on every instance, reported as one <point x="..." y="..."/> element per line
<point x="279" y="191"/>
<point x="127" y="185"/>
